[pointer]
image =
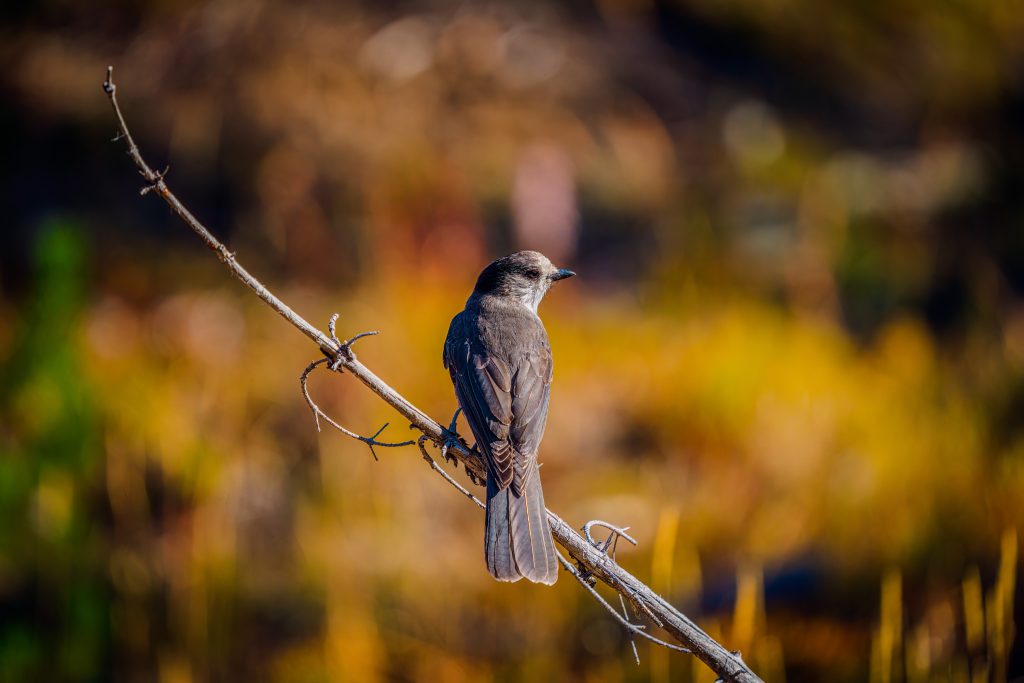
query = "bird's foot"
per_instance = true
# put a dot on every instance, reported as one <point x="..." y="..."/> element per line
<point x="585" y="574"/>
<point x="451" y="440"/>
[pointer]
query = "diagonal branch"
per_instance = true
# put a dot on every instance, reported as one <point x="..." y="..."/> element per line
<point x="594" y="561"/>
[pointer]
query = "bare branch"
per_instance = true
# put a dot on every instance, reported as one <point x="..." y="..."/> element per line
<point x="597" y="564"/>
<point x="370" y="441"/>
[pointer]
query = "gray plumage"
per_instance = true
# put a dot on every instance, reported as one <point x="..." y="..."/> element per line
<point x="498" y="355"/>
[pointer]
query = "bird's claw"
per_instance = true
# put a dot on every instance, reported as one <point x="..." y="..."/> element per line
<point x="585" y="574"/>
<point x="451" y="439"/>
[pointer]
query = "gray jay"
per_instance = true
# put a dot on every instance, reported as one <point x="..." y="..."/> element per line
<point x="498" y="355"/>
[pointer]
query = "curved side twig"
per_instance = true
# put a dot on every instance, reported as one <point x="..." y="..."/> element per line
<point x="726" y="664"/>
<point x="613" y="536"/>
<point x="370" y="441"/>
<point x="447" y="477"/>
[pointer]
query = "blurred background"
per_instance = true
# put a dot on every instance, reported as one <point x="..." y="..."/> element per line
<point x="792" y="362"/>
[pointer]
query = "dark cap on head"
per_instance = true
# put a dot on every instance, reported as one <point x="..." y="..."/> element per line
<point x="518" y="274"/>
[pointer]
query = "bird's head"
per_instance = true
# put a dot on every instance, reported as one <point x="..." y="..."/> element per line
<point x="524" y="275"/>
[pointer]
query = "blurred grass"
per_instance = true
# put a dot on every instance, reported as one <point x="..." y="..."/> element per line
<point x="52" y="557"/>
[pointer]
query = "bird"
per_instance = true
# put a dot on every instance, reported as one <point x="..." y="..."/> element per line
<point x="499" y="358"/>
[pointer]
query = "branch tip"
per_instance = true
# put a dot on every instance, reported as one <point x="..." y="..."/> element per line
<point x="331" y="328"/>
<point x="108" y="85"/>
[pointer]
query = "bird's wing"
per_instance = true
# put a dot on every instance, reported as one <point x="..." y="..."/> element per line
<point x="506" y="402"/>
<point x="531" y="390"/>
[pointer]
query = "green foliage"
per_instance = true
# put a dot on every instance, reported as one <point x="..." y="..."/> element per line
<point x="50" y="479"/>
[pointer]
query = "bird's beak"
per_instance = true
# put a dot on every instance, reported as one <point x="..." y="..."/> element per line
<point x="561" y="274"/>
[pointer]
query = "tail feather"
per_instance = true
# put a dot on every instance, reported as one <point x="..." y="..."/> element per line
<point x="518" y="541"/>
<point x="497" y="544"/>
<point x="532" y="546"/>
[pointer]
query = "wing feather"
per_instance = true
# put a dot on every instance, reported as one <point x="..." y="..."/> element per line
<point x="506" y="402"/>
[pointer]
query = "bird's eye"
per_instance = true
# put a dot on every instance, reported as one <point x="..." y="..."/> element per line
<point x="533" y="274"/>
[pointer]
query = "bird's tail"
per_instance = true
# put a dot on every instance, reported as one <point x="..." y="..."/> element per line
<point x="518" y="540"/>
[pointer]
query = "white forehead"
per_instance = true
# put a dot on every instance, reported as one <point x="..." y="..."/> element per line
<point x="535" y="258"/>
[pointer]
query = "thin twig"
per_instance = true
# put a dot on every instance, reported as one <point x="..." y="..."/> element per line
<point x="727" y="665"/>
<point x="636" y="629"/>
<point x="615" y="532"/>
<point x="613" y="539"/>
<point x="370" y="441"/>
<point x="632" y="638"/>
<point x="447" y="477"/>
